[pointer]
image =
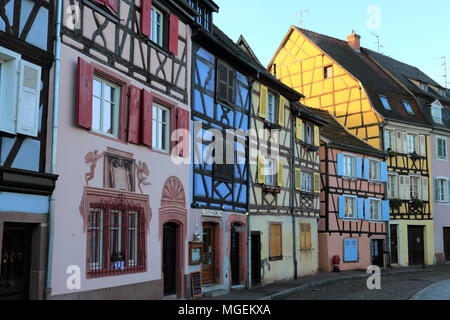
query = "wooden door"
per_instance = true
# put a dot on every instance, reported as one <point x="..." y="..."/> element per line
<point x="416" y="248"/>
<point x="234" y="255"/>
<point x="394" y="244"/>
<point x="169" y="258"/>
<point x="209" y="256"/>
<point x="377" y="252"/>
<point x="447" y="243"/>
<point x="256" y="257"/>
<point x="15" y="263"/>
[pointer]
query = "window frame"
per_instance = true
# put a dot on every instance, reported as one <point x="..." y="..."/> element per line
<point x="229" y="69"/>
<point x="168" y="130"/>
<point x="310" y="181"/>
<point x="354" y="207"/>
<point x="308" y="133"/>
<point x="379" y="209"/>
<point x="391" y="133"/>
<point x="162" y="33"/>
<point x="445" y="148"/>
<point x="435" y="107"/>
<point x="275" y="107"/>
<point x="326" y="73"/>
<point x="269" y="173"/>
<point x="353" y="165"/>
<point x="396" y="186"/>
<point x="408" y="143"/>
<point x="116" y="106"/>
<point x="418" y="187"/>
<point x="408" y="107"/>
<point x="377" y="170"/>
<point x="385" y="102"/>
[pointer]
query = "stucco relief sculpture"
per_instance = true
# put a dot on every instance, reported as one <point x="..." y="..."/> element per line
<point x="120" y="173"/>
<point x="91" y="158"/>
<point x="142" y="174"/>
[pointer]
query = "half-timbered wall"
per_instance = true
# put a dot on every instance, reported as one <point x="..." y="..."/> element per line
<point x="300" y="64"/>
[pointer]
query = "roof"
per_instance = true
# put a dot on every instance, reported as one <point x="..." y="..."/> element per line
<point x="339" y="136"/>
<point x="373" y="78"/>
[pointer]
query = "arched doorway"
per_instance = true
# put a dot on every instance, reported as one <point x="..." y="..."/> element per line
<point x="173" y="231"/>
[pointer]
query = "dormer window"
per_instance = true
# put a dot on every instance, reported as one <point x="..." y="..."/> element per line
<point x="385" y="103"/>
<point x="408" y="107"/>
<point x="436" y="113"/>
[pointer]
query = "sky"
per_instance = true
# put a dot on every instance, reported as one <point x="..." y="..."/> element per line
<point x="411" y="31"/>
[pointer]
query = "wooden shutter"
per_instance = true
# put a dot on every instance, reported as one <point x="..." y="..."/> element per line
<point x="275" y="240"/>
<point x="366" y="169"/>
<point x="383" y="171"/>
<point x="263" y="102"/>
<point x="423" y="146"/>
<point x="298" y="179"/>
<point x="341" y="205"/>
<point x="8" y="93"/>
<point x="299" y="129"/>
<point x="308" y="236"/>
<point x="134" y="115"/>
<point x="316" y="136"/>
<point x="146" y="17"/>
<point x="350" y="250"/>
<point x="436" y="189"/>
<point x="399" y="141"/>
<point x="305" y="236"/>
<point x="280" y="173"/>
<point x="340" y="164"/>
<point x="448" y="191"/>
<point x="302" y="236"/>
<point x="84" y="93"/>
<point x="261" y="168"/>
<point x="316" y="182"/>
<point x="102" y="2"/>
<point x="29" y="96"/>
<point x="173" y="34"/>
<point x="405" y="142"/>
<point x="360" y="208"/>
<point x="112" y="4"/>
<point x="404" y="182"/>
<point x="359" y="167"/>
<point x="183" y="122"/>
<point x="425" y="192"/>
<point x="281" y="111"/>
<point x="147" y="118"/>
<point x="385" y="210"/>
<point x="367" y="209"/>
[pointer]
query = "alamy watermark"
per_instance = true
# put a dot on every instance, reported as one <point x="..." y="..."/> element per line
<point x="374" y="281"/>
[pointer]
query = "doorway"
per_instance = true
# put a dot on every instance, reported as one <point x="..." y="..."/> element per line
<point x="377" y="252"/>
<point x="256" y="257"/>
<point x="15" y="262"/>
<point x="416" y="248"/>
<point x="234" y="254"/>
<point x="169" y="258"/>
<point x="447" y="243"/>
<point x="209" y="257"/>
<point x="394" y="243"/>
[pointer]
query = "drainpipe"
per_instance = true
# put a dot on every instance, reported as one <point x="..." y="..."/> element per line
<point x="249" y="233"/>
<point x="388" y="228"/>
<point x="54" y="139"/>
<point x="293" y="195"/>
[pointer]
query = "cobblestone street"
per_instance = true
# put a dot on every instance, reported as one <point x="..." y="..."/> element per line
<point x="393" y="287"/>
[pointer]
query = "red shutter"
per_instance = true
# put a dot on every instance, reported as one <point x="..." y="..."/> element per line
<point x="173" y="34"/>
<point x="134" y="115"/>
<point x="183" y="132"/>
<point x="147" y="118"/>
<point x="146" y="17"/>
<point x="102" y="2"/>
<point x="112" y="4"/>
<point x="84" y="94"/>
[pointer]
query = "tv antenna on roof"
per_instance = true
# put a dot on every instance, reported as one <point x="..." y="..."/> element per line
<point x="379" y="45"/>
<point x="444" y="66"/>
<point x="301" y="13"/>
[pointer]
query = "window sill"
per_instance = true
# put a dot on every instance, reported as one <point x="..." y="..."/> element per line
<point x="108" y="13"/>
<point x="271" y="125"/>
<point x="271" y="189"/>
<point x="276" y="258"/>
<point x="158" y="48"/>
<point x="309" y="147"/>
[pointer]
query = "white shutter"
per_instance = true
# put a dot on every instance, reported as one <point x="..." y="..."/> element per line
<point x="399" y="142"/>
<point x="425" y="188"/>
<point x="422" y="147"/>
<point x="405" y="142"/>
<point x="29" y="93"/>
<point x="9" y="69"/>
<point x="405" y="193"/>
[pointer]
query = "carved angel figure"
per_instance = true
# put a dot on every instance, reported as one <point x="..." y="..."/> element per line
<point x="92" y="158"/>
<point x="142" y="174"/>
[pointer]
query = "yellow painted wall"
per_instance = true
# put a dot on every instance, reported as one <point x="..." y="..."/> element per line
<point x="300" y="65"/>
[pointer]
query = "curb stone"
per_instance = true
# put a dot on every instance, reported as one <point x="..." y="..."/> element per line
<point x="290" y="291"/>
<point x="419" y="294"/>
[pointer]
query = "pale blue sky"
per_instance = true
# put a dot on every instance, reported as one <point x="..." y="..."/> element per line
<point x="414" y="32"/>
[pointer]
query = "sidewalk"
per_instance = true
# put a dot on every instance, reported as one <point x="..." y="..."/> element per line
<point x="282" y="288"/>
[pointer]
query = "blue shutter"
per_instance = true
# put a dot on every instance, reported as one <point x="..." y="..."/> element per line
<point x="383" y="172"/>
<point x="358" y="167"/>
<point x="341" y="207"/>
<point x="340" y="164"/>
<point x="385" y="210"/>
<point x="350" y="250"/>
<point x="347" y="247"/>
<point x="367" y="209"/>
<point x="355" y="250"/>
<point x="360" y="208"/>
<point x="366" y="169"/>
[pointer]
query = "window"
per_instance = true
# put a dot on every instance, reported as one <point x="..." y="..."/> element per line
<point x="161" y="128"/>
<point x="408" y="107"/>
<point x="328" y="72"/>
<point x="116" y="239"/>
<point x="350" y="250"/>
<point x="441" y="190"/>
<point x="275" y="242"/>
<point x="436" y="113"/>
<point x="308" y="133"/>
<point x="226" y="78"/>
<point x="388" y="140"/>
<point x="375" y="209"/>
<point x="305" y="236"/>
<point x="350" y="209"/>
<point x="412" y="143"/>
<point x="349" y="166"/>
<point x="441" y="148"/>
<point x="374" y="170"/>
<point x="271" y="107"/>
<point x="105" y="107"/>
<point x="415" y="187"/>
<point x="392" y="186"/>
<point x="385" y="102"/>
<point x="269" y="172"/>
<point x="306" y="181"/>
<point x="156" y="28"/>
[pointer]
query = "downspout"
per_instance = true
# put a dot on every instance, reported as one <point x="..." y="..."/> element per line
<point x="388" y="227"/>
<point x="54" y="140"/>
<point x="249" y="233"/>
<point x="293" y="194"/>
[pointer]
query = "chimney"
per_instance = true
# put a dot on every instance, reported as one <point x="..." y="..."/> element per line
<point x="354" y="40"/>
